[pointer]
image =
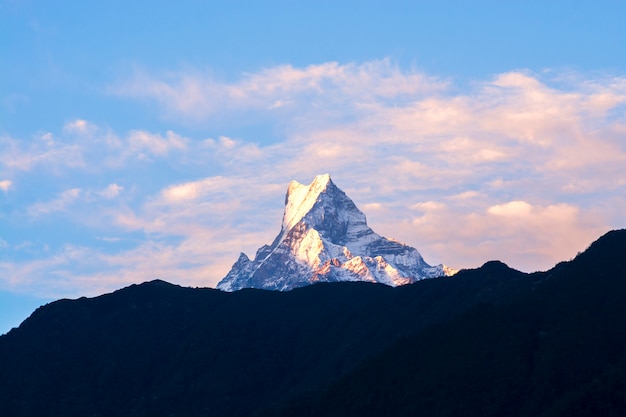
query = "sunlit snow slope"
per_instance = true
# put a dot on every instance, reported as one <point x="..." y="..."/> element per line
<point x="325" y="238"/>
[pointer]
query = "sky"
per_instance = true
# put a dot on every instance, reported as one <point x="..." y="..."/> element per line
<point x="144" y="140"/>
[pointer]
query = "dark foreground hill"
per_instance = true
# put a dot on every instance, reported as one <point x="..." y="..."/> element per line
<point x="558" y="348"/>
<point x="491" y="341"/>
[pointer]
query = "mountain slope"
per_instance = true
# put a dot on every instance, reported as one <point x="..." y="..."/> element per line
<point x="324" y="237"/>
<point x="161" y="349"/>
<point x="491" y="341"/>
<point x="556" y="350"/>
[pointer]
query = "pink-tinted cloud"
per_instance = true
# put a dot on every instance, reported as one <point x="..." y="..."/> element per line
<point x="198" y="96"/>
<point x="521" y="167"/>
<point x="5" y="185"/>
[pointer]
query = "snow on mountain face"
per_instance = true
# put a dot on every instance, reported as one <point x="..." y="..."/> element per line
<point x="325" y="238"/>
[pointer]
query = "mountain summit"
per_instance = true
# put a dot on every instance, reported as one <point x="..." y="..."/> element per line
<point x="325" y="238"/>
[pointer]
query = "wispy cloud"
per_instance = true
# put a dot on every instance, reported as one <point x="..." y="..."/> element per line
<point x="516" y="136"/>
<point x="199" y="96"/>
<point x="60" y="203"/>
<point x="142" y="141"/>
<point x="44" y="149"/>
<point x="523" y="167"/>
<point x="111" y="191"/>
<point x="5" y="185"/>
<point x="80" y="127"/>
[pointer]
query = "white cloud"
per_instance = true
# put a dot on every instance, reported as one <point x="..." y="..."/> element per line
<point x="15" y="155"/>
<point x="60" y="203"/>
<point x="111" y="191"/>
<point x="157" y="145"/>
<point x="199" y="96"/>
<point x="5" y="185"/>
<point x="512" y="136"/>
<point x="182" y="192"/>
<point x="227" y="142"/>
<point x="526" y="236"/>
<point x="428" y="206"/>
<point x="214" y="187"/>
<point x="519" y="167"/>
<point x="80" y="126"/>
<point x="84" y="146"/>
<point x="465" y="195"/>
<point x="519" y="209"/>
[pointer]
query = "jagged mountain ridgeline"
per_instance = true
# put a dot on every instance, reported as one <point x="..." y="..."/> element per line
<point x="324" y="237"/>
<point x="489" y="342"/>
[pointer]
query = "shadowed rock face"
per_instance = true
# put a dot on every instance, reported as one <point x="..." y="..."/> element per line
<point x="325" y="238"/>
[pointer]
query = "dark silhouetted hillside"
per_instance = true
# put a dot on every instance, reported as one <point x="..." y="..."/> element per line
<point x="490" y="341"/>
<point x="557" y="349"/>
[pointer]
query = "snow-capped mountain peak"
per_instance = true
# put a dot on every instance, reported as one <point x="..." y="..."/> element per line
<point x="325" y="237"/>
<point x="301" y="198"/>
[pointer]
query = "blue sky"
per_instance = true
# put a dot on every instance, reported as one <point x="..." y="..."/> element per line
<point x="143" y="140"/>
